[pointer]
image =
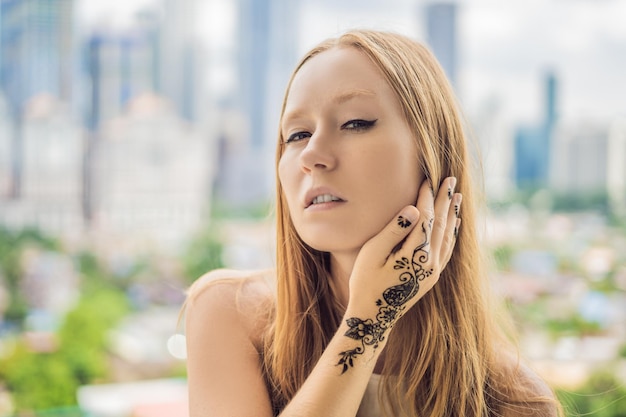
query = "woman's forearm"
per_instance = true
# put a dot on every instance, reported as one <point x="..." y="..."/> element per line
<point x="338" y="381"/>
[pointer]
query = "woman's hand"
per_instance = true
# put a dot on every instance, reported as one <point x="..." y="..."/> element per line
<point x="395" y="268"/>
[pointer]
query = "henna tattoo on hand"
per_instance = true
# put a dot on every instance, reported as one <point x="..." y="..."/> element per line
<point x="403" y="222"/>
<point x="392" y="305"/>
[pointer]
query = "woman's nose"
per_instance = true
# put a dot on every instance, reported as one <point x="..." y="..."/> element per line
<point x="318" y="154"/>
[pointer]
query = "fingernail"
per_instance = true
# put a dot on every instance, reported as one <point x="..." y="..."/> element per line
<point x="407" y="217"/>
<point x="451" y="185"/>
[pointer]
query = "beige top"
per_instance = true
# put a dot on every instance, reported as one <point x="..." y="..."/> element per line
<point x="370" y="406"/>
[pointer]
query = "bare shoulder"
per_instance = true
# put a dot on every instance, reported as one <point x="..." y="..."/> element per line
<point x="226" y="315"/>
<point x="526" y="393"/>
<point x="246" y="297"/>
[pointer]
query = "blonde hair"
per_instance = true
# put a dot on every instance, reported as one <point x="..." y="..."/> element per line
<point x="440" y="360"/>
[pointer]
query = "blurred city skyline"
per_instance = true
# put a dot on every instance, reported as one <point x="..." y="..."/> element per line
<point x="137" y="149"/>
<point x="121" y="114"/>
<point x="504" y="47"/>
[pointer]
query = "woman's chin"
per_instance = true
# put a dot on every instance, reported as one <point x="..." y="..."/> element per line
<point x="337" y="245"/>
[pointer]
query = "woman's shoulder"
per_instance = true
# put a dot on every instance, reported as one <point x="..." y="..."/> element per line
<point x="245" y="299"/>
<point x="243" y="282"/>
<point x="525" y="392"/>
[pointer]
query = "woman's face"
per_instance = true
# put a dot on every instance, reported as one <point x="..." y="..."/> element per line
<point x="349" y="162"/>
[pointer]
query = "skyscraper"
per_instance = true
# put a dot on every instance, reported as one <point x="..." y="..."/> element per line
<point x="253" y="62"/>
<point x="36" y="49"/>
<point x="178" y="65"/>
<point x="119" y="66"/>
<point x="533" y="144"/>
<point x="36" y="56"/>
<point x="441" y="36"/>
<point x="266" y="54"/>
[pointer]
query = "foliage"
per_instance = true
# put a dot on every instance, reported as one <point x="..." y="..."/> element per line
<point x="45" y="380"/>
<point x="622" y="351"/>
<point x="558" y="201"/>
<point x="83" y="336"/>
<point x="597" y="200"/>
<point x="256" y="211"/>
<point x="602" y="396"/>
<point x="38" y="380"/>
<point x="203" y="254"/>
<point x="502" y="256"/>
<point x="12" y="243"/>
<point x="575" y="324"/>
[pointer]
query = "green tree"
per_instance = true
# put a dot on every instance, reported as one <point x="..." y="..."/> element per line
<point x="203" y="254"/>
<point x="38" y="380"/>
<point x="502" y="256"/>
<point x="12" y="243"/>
<point x="47" y="380"/>
<point x="601" y="396"/>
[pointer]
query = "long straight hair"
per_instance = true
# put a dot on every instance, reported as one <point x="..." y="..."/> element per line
<point x="440" y="359"/>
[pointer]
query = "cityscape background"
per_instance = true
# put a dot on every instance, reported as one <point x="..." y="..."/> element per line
<point x="137" y="152"/>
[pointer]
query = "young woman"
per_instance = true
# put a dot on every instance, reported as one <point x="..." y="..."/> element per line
<point x="379" y="304"/>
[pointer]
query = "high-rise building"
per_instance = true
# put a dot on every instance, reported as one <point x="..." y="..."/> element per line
<point x="531" y="157"/>
<point x="441" y="36"/>
<point x="496" y="148"/>
<point x="579" y="161"/>
<point x="5" y="149"/>
<point x="158" y="54"/>
<point x="51" y="167"/>
<point x="36" y="56"/>
<point x="179" y="60"/>
<point x="119" y="66"/>
<point x="266" y="54"/>
<point x="152" y="173"/>
<point x="616" y="169"/>
<point x="533" y="143"/>
<point x="36" y="49"/>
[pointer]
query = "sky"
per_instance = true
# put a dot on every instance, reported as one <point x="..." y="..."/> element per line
<point x="505" y="47"/>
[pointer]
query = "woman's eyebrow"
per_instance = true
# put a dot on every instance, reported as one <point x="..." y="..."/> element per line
<point x="350" y="94"/>
<point x="340" y="98"/>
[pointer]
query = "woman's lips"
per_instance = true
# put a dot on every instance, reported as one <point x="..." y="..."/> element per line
<point x="321" y="196"/>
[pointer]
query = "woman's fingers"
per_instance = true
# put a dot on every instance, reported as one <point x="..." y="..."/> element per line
<point x="441" y="223"/>
<point x="431" y="226"/>
<point x="394" y="232"/>
<point x="438" y="222"/>
<point x="452" y="229"/>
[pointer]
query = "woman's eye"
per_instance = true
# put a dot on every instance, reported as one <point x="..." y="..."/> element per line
<point x="295" y="137"/>
<point x="358" y="124"/>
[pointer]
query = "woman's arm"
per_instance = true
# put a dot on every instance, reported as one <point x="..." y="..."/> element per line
<point x="224" y="371"/>
<point x="223" y="364"/>
<point x="386" y="281"/>
<point x="526" y="394"/>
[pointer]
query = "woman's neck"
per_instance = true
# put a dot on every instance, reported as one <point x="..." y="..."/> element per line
<point x="340" y="269"/>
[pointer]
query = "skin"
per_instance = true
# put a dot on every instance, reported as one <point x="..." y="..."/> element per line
<point x="373" y="168"/>
<point x="384" y="201"/>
